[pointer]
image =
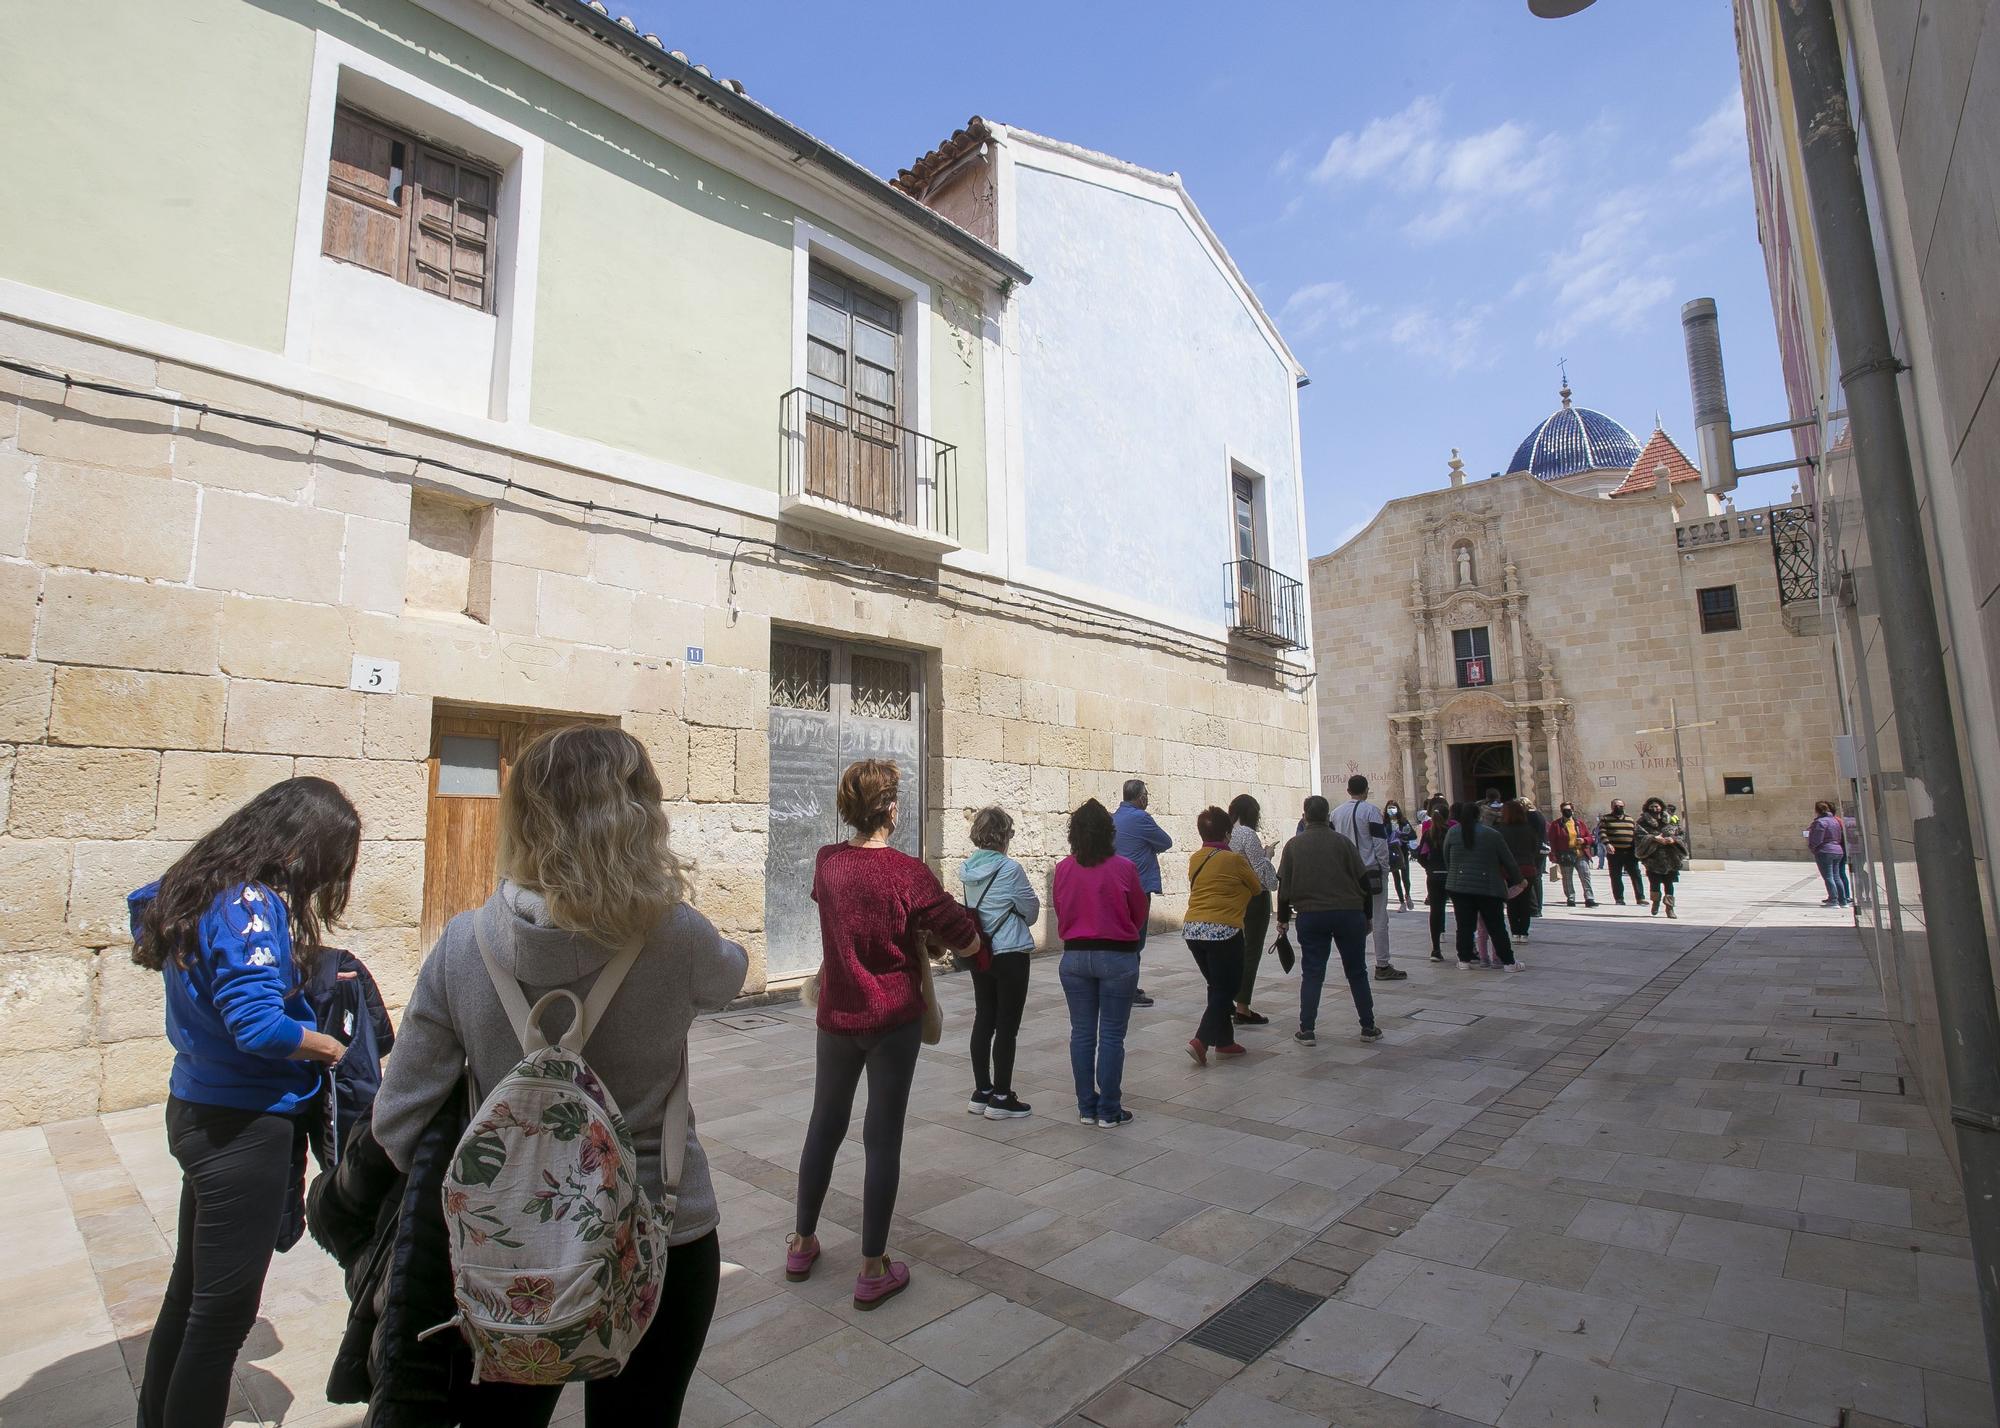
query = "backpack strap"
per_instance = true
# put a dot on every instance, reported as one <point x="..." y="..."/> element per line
<point x="674" y="1139"/>
<point x="526" y="1020"/>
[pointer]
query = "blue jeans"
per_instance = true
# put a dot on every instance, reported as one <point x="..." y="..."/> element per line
<point x="1833" y="872"/>
<point x="1098" y="987"/>
<point x="1319" y="933"/>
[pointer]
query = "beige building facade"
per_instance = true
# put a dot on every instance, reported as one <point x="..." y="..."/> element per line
<point x="1531" y="635"/>
<point x="768" y="519"/>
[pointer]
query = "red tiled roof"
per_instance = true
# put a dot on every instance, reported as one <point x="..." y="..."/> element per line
<point x="913" y="179"/>
<point x="1658" y="451"/>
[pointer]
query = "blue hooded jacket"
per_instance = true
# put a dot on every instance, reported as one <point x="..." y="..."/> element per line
<point x="998" y="890"/>
<point x="237" y="1011"/>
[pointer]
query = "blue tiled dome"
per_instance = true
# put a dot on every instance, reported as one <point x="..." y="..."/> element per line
<point x="1575" y="439"/>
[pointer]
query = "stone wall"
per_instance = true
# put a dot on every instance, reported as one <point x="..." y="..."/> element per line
<point x="1606" y="595"/>
<point x="181" y="598"/>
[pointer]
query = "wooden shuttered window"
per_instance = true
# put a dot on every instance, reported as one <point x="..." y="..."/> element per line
<point x="410" y="210"/>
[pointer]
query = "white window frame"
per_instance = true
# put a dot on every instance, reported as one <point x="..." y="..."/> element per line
<point x="344" y="74"/>
<point x="1260" y="512"/>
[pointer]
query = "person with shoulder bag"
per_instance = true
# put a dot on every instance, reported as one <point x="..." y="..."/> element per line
<point x="1480" y="874"/>
<point x="1322" y="880"/>
<point x="1430" y="854"/>
<point x="1221" y="885"/>
<point x="1101" y="908"/>
<point x="1001" y="897"/>
<point x="579" y="1204"/>
<point x="878" y="907"/>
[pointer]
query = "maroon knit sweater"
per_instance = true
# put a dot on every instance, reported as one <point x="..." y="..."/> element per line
<point x="873" y="904"/>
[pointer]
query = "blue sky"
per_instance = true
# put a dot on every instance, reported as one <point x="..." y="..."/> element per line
<point x="1438" y="199"/>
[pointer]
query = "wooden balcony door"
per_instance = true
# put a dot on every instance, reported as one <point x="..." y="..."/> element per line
<point x="471" y="756"/>
<point x="854" y="359"/>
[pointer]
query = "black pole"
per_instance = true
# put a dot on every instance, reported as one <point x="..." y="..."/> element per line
<point x="1955" y="926"/>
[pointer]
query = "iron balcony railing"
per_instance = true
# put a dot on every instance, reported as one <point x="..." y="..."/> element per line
<point x="848" y="458"/>
<point x="1265" y="605"/>
<point x="1795" y="552"/>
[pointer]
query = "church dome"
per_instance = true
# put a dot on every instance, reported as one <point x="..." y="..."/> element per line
<point x="1573" y="440"/>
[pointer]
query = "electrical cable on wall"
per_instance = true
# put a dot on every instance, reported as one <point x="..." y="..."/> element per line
<point x="1062" y="614"/>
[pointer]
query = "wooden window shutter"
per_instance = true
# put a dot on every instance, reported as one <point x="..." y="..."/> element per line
<point x="365" y="194"/>
<point x="451" y="239"/>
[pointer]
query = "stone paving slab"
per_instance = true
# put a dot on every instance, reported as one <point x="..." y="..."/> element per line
<point x="1630" y="1184"/>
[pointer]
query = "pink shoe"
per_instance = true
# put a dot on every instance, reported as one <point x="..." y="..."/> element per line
<point x="871" y="1289"/>
<point x="799" y="1259"/>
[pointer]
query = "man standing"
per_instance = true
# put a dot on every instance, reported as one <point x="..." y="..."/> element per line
<point x="1570" y="844"/>
<point x="1361" y="822"/>
<point x="1140" y="840"/>
<point x="1616" y="830"/>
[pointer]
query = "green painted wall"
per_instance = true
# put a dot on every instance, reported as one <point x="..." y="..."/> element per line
<point x="173" y="155"/>
<point x="151" y="158"/>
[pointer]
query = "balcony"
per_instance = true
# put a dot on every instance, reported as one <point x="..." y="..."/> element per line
<point x="852" y="474"/>
<point x="1265" y="606"/>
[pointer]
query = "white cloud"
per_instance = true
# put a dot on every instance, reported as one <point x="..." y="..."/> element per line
<point x="1407" y="141"/>
<point x="1718" y="139"/>
<point x="1612" y="277"/>
<point x="1410" y="152"/>
<point x="1451" y="341"/>
<point x="1323" y="307"/>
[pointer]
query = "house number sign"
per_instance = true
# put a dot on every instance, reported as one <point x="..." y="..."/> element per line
<point x="374" y="676"/>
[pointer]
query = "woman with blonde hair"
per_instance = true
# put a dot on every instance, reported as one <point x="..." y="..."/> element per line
<point x="585" y="873"/>
<point x="877" y="908"/>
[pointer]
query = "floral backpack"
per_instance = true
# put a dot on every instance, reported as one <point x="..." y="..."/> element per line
<point x="557" y="1253"/>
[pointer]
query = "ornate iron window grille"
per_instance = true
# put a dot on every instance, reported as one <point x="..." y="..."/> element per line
<point x="1795" y="552"/>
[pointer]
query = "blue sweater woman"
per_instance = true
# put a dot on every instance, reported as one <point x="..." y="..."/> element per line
<point x="237" y="1011"/>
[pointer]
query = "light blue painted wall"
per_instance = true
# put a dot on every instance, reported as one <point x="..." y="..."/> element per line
<point x="1142" y="371"/>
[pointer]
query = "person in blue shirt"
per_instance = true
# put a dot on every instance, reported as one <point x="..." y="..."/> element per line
<point x="999" y="893"/>
<point x="1138" y="838"/>
<point x="234" y="927"/>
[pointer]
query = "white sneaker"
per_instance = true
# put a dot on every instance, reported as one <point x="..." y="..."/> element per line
<point x="1465" y="966"/>
<point x="1513" y="967"/>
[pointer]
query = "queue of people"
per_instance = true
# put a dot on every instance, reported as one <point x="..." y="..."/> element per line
<point x="539" y="1088"/>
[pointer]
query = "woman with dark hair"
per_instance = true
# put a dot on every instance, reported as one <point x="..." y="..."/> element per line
<point x="1402" y="837"/>
<point x="1244" y="816"/>
<point x="1827" y="838"/>
<point x="1430" y="855"/>
<point x="235" y="927"/>
<point x="878" y="908"/>
<point x="1660" y="845"/>
<point x="1000" y="895"/>
<point x="1101" y="918"/>
<point x="1221" y="885"/>
<point x="591" y="895"/>
<point x="1480" y="874"/>
<point x="1524" y="841"/>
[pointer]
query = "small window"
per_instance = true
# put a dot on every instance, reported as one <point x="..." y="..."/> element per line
<point x="801" y="677"/>
<point x="468" y="766"/>
<point x="409" y="210"/>
<point x="1738" y="785"/>
<point x="447" y="572"/>
<point x="1474" y="653"/>
<point x="880" y="688"/>
<point x="1718" y="609"/>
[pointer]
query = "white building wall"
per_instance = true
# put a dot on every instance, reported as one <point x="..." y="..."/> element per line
<point x="1145" y="375"/>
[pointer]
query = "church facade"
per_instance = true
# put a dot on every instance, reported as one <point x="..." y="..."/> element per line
<point x="1546" y="632"/>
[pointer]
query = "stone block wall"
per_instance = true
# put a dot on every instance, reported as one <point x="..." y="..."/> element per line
<point x="182" y="596"/>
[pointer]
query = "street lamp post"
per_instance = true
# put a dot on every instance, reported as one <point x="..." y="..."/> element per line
<point x="1674" y="727"/>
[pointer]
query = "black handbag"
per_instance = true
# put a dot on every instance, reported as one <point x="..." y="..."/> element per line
<point x="1283" y="947"/>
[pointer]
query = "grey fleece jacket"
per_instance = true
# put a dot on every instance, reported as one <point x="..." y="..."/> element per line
<point x="454" y="1018"/>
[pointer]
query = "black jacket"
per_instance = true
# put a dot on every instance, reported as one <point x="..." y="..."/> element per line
<point x="348" y="1007"/>
<point x="387" y="1231"/>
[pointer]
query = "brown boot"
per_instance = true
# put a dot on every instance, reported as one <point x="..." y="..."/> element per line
<point x="1670" y="905"/>
<point x="1656" y="902"/>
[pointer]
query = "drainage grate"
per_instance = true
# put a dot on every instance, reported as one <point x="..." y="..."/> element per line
<point x="1795" y="1058"/>
<point x="750" y="1021"/>
<point x="1249" y="1325"/>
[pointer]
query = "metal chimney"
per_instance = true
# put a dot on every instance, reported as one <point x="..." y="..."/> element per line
<point x="1715" y="447"/>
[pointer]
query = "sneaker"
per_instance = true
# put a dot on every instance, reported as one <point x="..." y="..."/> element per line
<point x="1086" y="1118"/>
<point x="1387" y="973"/>
<point x="1140" y="999"/>
<point x="799" y="1259"/>
<point x="1230" y="1050"/>
<point x="1828" y="902"/>
<point x="976" y="1106"/>
<point x="1009" y="1107"/>
<point x="1305" y="1038"/>
<point x="1520" y="937"/>
<point x="1251" y="1018"/>
<point x="1437" y="954"/>
<point x="1197" y="1050"/>
<point x="1371" y="1033"/>
<point x="1588" y="903"/>
<point x="871" y="1289"/>
<point x="1571" y="903"/>
<point x="1512" y="966"/>
<point x="1112" y="1122"/>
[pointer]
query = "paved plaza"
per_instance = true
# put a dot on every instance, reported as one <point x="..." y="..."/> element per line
<point x="1670" y="1174"/>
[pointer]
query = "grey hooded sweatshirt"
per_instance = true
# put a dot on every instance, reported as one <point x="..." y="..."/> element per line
<point x="455" y="1018"/>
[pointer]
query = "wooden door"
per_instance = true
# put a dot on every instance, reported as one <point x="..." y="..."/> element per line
<point x="854" y="445"/>
<point x="471" y="755"/>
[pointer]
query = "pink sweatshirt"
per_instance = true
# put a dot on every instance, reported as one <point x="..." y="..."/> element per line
<point x="1101" y="904"/>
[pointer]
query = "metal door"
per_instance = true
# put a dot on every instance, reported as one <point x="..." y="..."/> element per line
<point x="831" y="704"/>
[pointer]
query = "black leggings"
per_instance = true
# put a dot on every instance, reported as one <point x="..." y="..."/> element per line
<point x="235" y="1168"/>
<point x="1439" y="900"/>
<point x="998" y="997"/>
<point x="891" y="1062"/>
<point x="1472" y="909"/>
<point x="649" y="1389"/>
<point x="1221" y="966"/>
<point x="1399" y="869"/>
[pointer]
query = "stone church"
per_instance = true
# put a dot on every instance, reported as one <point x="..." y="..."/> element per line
<point x="1545" y="632"/>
